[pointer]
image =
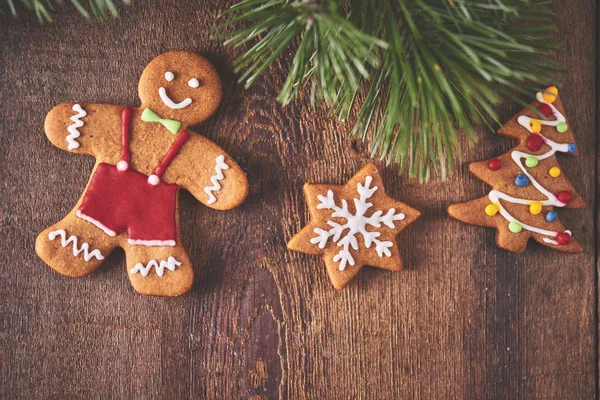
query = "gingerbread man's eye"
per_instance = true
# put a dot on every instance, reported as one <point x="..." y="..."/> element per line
<point x="193" y="83"/>
<point x="169" y="76"/>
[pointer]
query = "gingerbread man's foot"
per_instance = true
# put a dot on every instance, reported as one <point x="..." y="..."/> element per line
<point x="74" y="247"/>
<point x="159" y="271"/>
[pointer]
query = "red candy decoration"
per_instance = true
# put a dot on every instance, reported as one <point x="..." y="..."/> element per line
<point x="534" y="142"/>
<point x="545" y="109"/>
<point x="494" y="164"/>
<point x="563" y="238"/>
<point x="564" y="196"/>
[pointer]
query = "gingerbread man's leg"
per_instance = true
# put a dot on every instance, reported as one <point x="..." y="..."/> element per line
<point x="74" y="247"/>
<point x="159" y="270"/>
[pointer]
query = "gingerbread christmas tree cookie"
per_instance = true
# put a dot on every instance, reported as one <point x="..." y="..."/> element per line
<point x="353" y="225"/>
<point x="144" y="156"/>
<point x="527" y="182"/>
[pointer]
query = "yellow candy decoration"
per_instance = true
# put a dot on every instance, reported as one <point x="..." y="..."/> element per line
<point x="550" y="94"/>
<point x="491" y="209"/>
<point x="554" y="172"/>
<point x="535" y="125"/>
<point x="535" y="208"/>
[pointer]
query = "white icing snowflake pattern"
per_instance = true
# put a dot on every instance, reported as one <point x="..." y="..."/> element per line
<point x="355" y="223"/>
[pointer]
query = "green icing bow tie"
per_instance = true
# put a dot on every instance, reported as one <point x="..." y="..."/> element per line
<point x="150" y="116"/>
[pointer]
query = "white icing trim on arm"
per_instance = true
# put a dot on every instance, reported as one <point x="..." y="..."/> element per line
<point x="171" y="264"/>
<point x="162" y="92"/>
<point x="73" y="129"/>
<point x="218" y="176"/>
<point x="85" y="247"/>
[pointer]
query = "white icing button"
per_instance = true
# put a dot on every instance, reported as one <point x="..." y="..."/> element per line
<point x="193" y="83"/>
<point x="122" y="165"/>
<point x="153" y="179"/>
<point x="169" y="76"/>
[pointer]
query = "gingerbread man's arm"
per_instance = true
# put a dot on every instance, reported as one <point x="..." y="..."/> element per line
<point x="85" y="128"/>
<point x="209" y="174"/>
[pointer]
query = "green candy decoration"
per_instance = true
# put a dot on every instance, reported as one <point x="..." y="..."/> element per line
<point x="515" y="227"/>
<point x="562" y="127"/>
<point x="531" y="161"/>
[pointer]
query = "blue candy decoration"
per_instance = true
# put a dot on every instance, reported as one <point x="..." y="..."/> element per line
<point x="521" y="180"/>
<point x="551" y="216"/>
<point x="572" y="147"/>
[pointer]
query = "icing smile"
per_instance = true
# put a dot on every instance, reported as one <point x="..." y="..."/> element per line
<point x="170" y="103"/>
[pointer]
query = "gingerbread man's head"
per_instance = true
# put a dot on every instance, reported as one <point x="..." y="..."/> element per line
<point x="181" y="85"/>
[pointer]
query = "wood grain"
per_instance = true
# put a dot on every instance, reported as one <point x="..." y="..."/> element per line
<point x="464" y="320"/>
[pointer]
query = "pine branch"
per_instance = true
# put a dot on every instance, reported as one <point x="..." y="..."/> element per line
<point x="43" y="9"/>
<point x="423" y="69"/>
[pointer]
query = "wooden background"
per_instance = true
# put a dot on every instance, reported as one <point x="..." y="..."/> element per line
<point x="464" y="320"/>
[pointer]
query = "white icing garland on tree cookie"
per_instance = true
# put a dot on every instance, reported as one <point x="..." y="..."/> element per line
<point x="533" y="125"/>
<point x="355" y="223"/>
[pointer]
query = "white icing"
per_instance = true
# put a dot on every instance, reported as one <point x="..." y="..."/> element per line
<point x="162" y="92"/>
<point x="525" y="121"/>
<point x="85" y="247"/>
<point x="73" y="129"/>
<point x="122" y="165"/>
<point x="193" y="83"/>
<point x="134" y="242"/>
<point x="151" y="242"/>
<point x="169" y="76"/>
<point x="220" y="166"/>
<point x="552" y="241"/>
<point x="171" y="264"/>
<point x="99" y="224"/>
<point x="551" y="200"/>
<point x="153" y="179"/>
<point x="355" y="223"/>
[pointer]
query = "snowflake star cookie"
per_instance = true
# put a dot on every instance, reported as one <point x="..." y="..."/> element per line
<point x="527" y="182"/>
<point x="353" y="225"/>
<point x="144" y="156"/>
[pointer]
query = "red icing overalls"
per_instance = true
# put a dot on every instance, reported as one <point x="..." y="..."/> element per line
<point x="119" y="199"/>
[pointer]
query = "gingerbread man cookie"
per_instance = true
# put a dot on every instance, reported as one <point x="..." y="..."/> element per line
<point x="144" y="155"/>
<point x="527" y="183"/>
<point x="353" y="225"/>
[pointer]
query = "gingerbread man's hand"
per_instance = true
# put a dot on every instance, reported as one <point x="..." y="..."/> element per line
<point x="69" y="126"/>
<point x="209" y="174"/>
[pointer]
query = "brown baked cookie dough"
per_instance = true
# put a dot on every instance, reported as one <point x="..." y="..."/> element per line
<point x="143" y="157"/>
<point x="353" y="225"/>
<point x="527" y="182"/>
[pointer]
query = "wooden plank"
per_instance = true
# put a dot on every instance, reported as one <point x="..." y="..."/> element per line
<point x="597" y="207"/>
<point x="464" y="320"/>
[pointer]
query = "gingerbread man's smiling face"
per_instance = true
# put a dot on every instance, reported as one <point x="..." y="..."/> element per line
<point x="181" y="85"/>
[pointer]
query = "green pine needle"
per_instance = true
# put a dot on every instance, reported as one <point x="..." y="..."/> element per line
<point x="424" y="70"/>
<point x="43" y="9"/>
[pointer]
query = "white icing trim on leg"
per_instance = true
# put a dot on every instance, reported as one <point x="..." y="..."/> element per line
<point x="98" y="224"/>
<point x="171" y="264"/>
<point x="139" y="242"/>
<point x="85" y="247"/>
